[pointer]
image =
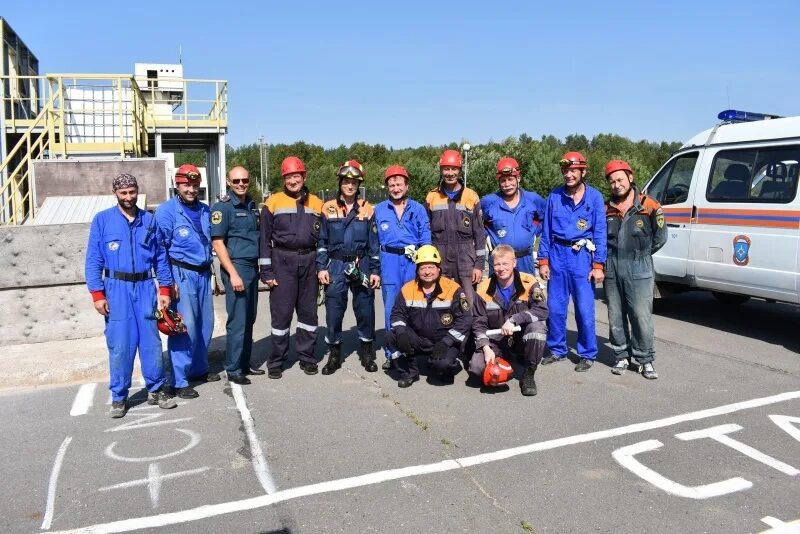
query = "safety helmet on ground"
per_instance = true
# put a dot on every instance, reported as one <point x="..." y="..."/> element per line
<point x="428" y="254"/>
<point x="573" y="160"/>
<point x="291" y="165"/>
<point x="169" y="322"/>
<point x="497" y="372"/>
<point x="451" y="158"/>
<point x="395" y="170"/>
<point x="351" y="169"/>
<point x="187" y="174"/>
<point x="507" y="167"/>
<point x="617" y="165"/>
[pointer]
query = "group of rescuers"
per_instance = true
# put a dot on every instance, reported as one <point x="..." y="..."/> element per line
<point x="428" y="260"/>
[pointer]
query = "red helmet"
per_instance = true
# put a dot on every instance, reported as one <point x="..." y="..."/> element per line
<point x="395" y="170"/>
<point x="169" y="322"/>
<point x="187" y="174"/>
<point x="507" y="167"/>
<point x="573" y="160"/>
<point x="617" y="165"/>
<point x="497" y="373"/>
<point x="351" y="169"/>
<point x="451" y="158"/>
<point x="291" y="165"/>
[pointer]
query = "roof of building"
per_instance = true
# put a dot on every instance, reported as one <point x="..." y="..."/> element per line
<point x="71" y="210"/>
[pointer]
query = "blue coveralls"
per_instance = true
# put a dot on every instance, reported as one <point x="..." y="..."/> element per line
<point x="517" y="226"/>
<point x="118" y="249"/>
<point x="564" y="224"/>
<point x="346" y="237"/>
<point x="190" y="256"/>
<point x="394" y="234"/>
<point x="237" y="224"/>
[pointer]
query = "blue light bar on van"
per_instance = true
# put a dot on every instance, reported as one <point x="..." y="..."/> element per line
<point x="732" y="115"/>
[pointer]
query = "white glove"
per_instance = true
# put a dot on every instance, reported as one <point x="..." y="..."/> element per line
<point x="411" y="252"/>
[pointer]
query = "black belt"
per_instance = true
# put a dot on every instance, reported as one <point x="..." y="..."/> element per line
<point x="189" y="266"/>
<point x="295" y="250"/>
<point x="343" y="257"/>
<point x="565" y="242"/>
<point x="394" y="250"/>
<point x="128" y="277"/>
<point x="522" y="253"/>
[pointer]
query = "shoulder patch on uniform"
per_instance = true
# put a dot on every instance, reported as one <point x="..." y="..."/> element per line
<point x="225" y="198"/>
<point x="660" y="218"/>
<point x="374" y="227"/>
<point x="538" y="294"/>
<point x="216" y="217"/>
<point x="463" y="302"/>
<point x="316" y="226"/>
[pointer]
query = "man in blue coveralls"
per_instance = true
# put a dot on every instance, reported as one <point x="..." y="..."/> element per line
<point x="184" y="225"/>
<point x="234" y="237"/>
<point x="348" y="243"/>
<point x="572" y="257"/>
<point x="513" y="216"/>
<point x="122" y="257"/>
<point x="403" y="227"/>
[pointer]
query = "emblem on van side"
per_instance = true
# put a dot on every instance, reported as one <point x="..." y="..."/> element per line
<point x="741" y="250"/>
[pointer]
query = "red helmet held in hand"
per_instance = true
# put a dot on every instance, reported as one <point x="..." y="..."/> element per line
<point x="497" y="373"/>
<point x="169" y="322"/>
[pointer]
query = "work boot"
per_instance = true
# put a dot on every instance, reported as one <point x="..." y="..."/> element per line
<point x="552" y="358"/>
<point x="446" y="379"/>
<point x="187" y="393"/>
<point x="584" y="365"/>
<point x="387" y="365"/>
<point x="620" y="367"/>
<point x="152" y="398"/>
<point x="118" y="409"/>
<point x="367" y="356"/>
<point x="649" y="372"/>
<point x="334" y="360"/>
<point x="528" y="384"/>
<point x="165" y="400"/>
<point x="212" y="377"/>
<point x="309" y="368"/>
<point x="406" y="382"/>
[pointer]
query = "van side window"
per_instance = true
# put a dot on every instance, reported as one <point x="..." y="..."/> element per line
<point x="765" y="175"/>
<point x="671" y="184"/>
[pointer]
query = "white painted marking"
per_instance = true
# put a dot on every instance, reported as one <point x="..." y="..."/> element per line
<point x="213" y="510"/>
<point x="772" y="521"/>
<point x="625" y="457"/>
<point x="720" y="435"/>
<point x="194" y="439"/>
<point x="51" y="487"/>
<point x="83" y="399"/>
<point x="256" y="454"/>
<point x="154" y="480"/>
<point x="136" y="424"/>
<point x="787" y="424"/>
<point x="780" y="527"/>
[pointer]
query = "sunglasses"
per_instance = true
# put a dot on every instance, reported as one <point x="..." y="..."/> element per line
<point x="240" y="181"/>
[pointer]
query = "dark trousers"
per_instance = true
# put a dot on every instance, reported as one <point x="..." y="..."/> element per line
<point x="336" y="305"/>
<point x="527" y="345"/>
<point x="241" y="307"/>
<point x="408" y="366"/>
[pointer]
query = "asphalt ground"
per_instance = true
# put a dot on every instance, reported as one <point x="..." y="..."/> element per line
<point x="713" y="445"/>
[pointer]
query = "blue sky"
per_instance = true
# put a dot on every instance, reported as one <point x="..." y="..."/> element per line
<point x="413" y="73"/>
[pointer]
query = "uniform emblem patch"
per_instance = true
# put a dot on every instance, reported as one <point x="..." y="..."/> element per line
<point x="538" y="294"/>
<point x="216" y="217"/>
<point x="447" y="318"/>
<point x="741" y="250"/>
<point x="660" y="218"/>
<point x="466" y="222"/>
<point x="183" y="232"/>
<point x="582" y="224"/>
<point x="639" y="223"/>
<point x="113" y="246"/>
<point x="331" y="210"/>
<point x="384" y="226"/>
<point x="463" y="302"/>
<point x="317" y="226"/>
<point x="374" y="228"/>
<point x="501" y="232"/>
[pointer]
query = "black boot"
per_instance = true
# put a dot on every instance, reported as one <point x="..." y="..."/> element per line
<point x="367" y="356"/>
<point x="334" y="360"/>
<point x="528" y="384"/>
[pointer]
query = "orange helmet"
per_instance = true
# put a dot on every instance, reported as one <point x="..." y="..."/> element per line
<point x="351" y="169"/>
<point x="617" y="165"/>
<point x="395" y="170"/>
<point x="497" y="373"/>
<point x="187" y="174"/>
<point x="451" y="158"/>
<point x="573" y="160"/>
<point x="291" y="165"/>
<point x="169" y="322"/>
<point x="507" y="167"/>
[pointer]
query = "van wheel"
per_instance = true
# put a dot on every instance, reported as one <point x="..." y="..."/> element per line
<point x="730" y="299"/>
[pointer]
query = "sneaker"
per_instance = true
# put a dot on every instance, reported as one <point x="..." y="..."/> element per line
<point x="187" y="393"/>
<point x="620" y="367"/>
<point x="165" y="400"/>
<point x="649" y="371"/>
<point x="552" y="358"/>
<point x="406" y="382"/>
<point x="584" y="365"/>
<point x="152" y="398"/>
<point x="308" y="368"/>
<point x="118" y="409"/>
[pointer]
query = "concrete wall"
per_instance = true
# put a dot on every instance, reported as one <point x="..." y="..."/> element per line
<point x="79" y="177"/>
<point x="43" y="295"/>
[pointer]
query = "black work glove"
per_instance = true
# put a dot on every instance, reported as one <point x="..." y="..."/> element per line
<point x="439" y="350"/>
<point x="404" y="344"/>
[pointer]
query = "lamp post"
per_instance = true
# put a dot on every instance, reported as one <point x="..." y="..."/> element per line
<point x="466" y="147"/>
<point x="261" y="164"/>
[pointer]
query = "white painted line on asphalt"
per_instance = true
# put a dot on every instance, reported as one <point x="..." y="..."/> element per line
<point x="256" y="454"/>
<point x="780" y="527"/>
<point x="154" y="480"/>
<point x="51" y="487"/>
<point x="214" y="510"/>
<point x="83" y="399"/>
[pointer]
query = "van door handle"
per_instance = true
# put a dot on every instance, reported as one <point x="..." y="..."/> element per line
<point x="673" y="225"/>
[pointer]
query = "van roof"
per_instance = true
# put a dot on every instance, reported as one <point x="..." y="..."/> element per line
<point x="742" y="132"/>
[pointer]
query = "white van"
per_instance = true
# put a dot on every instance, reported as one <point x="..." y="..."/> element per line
<point x="730" y="202"/>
